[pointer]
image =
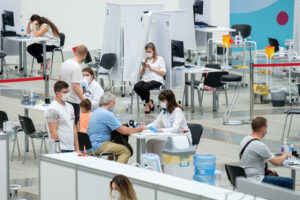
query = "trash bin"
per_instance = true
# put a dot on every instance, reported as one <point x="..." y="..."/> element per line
<point x="278" y="95"/>
<point x="205" y="166"/>
<point x="178" y="157"/>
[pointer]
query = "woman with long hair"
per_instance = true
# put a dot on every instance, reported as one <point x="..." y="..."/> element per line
<point x="171" y="119"/>
<point x="152" y="76"/>
<point x="121" y="189"/>
<point x="42" y="27"/>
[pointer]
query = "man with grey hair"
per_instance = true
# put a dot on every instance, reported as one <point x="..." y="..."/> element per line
<point x="102" y="123"/>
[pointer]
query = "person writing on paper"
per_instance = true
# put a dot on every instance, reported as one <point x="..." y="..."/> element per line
<point x="152" y="73"/>
<point x="42" y="27"/>
<point x="171" y="119"/>
<point x="94" y="91"/>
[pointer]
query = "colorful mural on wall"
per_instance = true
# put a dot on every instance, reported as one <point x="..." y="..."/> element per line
<point x="268" y="18"/>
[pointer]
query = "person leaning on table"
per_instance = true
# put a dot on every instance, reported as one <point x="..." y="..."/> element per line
<point x="171" y="119"/>
<point x="256" y="154"/>
<point x="101" y="125"/>
<point x="42" y="27"/>
<point x="60" y="119"/>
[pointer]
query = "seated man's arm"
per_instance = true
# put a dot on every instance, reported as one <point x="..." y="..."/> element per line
<point x="277" y="161"/>
<point x="127" y="131"/>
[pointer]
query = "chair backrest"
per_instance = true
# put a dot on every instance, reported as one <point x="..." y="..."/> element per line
<point x="84" y="140"/>
<point x="274" y="42"/>
<point x="196" y="131"/>
<point x="3" y="118"/>
<point x="245" y="30"/>
<point x="27" y="125"/>
<point x="234" y="171"/>
<point x="62" y="38"/>
<point x="177" y="53"/>
<point x="108" y="60"/>
<point x="88" y="58"/>
<point x="213" y="79"/>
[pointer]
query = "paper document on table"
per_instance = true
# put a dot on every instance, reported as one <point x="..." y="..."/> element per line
<point x="291" y="162"/>
<point x="181" y="142"/>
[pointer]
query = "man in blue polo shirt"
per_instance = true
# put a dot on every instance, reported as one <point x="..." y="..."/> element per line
<point x="102" y="123"/>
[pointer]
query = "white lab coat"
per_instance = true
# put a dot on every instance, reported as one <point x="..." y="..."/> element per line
<point x="94" y="94"/>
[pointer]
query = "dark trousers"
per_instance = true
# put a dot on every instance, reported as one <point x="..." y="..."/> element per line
<point x="36" y="50"/>
<point x="279" y="181"/>
<point x="76" y="111"/>
<point x="143" y="89"/>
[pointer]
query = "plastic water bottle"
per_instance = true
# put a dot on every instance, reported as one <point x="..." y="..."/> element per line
<point x="205" y="166"/>
<point x="198" y="62"/>
<point x="285" y="147"/>
<point x="292" y="147"/>
<point x="22" y="31"/>
<point x="31" y="99"/>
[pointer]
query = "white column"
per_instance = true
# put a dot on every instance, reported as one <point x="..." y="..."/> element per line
<point x="4" y="167"/>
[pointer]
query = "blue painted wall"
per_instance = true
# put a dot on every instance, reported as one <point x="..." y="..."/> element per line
<point x="263" y="16"/>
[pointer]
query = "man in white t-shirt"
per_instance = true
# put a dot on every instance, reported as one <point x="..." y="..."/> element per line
<point x="60" y="119"/>
<point x="71" y="74"/>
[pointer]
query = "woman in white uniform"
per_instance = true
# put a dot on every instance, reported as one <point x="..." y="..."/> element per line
<point x="152" y="76"/>
<point x="94" y="91"/>
<point x="171" y="119"/>
<point x="42" y="27"/>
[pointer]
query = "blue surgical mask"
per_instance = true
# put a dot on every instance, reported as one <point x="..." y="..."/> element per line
<point x="111" y="109"/>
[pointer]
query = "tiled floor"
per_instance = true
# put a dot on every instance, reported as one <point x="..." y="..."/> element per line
<point x="217" y="138"/>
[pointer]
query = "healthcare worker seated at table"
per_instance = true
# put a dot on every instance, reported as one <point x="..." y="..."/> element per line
<point x="93" y="90"/>
<point x="152" y="73"/>
<point x="42" y="27"/>
<point x="171" y="119"/>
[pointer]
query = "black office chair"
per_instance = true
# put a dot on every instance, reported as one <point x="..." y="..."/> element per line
<point x="213" y="80"/>
<point x="32" y="133"/>
<point x="84" y="141"/>
<point x="4" y="118"/>
<point x="196" y="131"/>
<point x="106" y="65"/>
<point x="62" y="38"/>
<point x="244" y="29"/>
<point x="234" y="171"/>
<point x="4" y="66"/>
<point x="274" y="42"/>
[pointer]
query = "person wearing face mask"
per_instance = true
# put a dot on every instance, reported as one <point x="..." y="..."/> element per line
<point x="101" y="125"/>
<point x="71" y="74"/>
<point x="60" y="119"/>
<point x="171" y="119"/>
<point x="94" y="90"/>
<point x="152" y="72"/>
<point x="121" y="189"/>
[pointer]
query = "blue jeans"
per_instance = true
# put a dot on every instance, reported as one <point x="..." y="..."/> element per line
<point x="66" y="151"/>
<point x="279" y="181"/>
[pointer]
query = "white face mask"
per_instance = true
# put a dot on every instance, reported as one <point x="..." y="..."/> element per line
<point x="115" y="195"/>
<point x="149" y="55"/>
<point x="65" y="97"/>
<point x="87" y="79"/>
<point x="163" y="105"/>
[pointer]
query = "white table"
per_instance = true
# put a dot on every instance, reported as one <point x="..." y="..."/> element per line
<point x="293" y="168"/>
<point x="4" y="166"/>
<point x="193" y="71"/>
<point x="89" y="178"/>
<point x="141" y="139"/>
<point x="22" y="49"/>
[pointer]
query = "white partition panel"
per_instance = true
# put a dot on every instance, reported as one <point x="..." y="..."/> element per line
<point x="91" y="186"/>
<point x="56" y="179"/>
<point x="4" y="167"/>
<point x="166" y="195"/>
<point x="146" y="193"/>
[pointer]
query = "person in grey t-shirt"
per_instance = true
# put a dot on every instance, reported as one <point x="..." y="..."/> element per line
<point x="256" y="154"/>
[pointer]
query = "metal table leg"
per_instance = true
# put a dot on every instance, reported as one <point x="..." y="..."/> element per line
<point x="214" y="101"/>
<point x="24" y="55"/>
<point x="140" y="148"/>
<point x="244" y="84"/>
<point x="186" y="79"/>
<point x="20" y="56"/>
<point x="210" y="53"/>
<point x="46" y="77"/>
<point x="293" y="176"/>
<point x="192" y="93"/>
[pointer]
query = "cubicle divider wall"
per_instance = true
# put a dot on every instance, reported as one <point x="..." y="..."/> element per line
<point x="70" y="177"/>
